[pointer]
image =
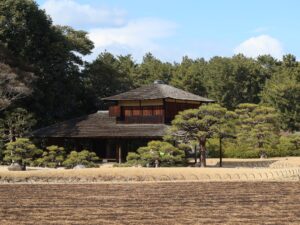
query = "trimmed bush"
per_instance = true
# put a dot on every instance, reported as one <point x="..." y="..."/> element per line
<point x="288" y="146"/>
<point x="85" y="157"/>
<point x="52" y="157"/>
<point x="157" y="151"/>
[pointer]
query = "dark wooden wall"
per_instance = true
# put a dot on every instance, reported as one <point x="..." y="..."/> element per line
<point x="173" y="108"/>
<point x="142" y="114"/>
<point x="150" y="114"/>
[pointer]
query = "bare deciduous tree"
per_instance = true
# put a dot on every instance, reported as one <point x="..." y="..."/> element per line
<point x="13" y="85"/>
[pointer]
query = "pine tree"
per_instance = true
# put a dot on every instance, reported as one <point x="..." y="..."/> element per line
<point x="200" y="124"/>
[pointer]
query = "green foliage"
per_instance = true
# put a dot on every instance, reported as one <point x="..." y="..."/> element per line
<point x="185" y="147"/>
<point x="83" y="157"/>
<point x="235" y="151"/>
<point x="282" y="92"/>
<point x="152" y="69"/>
<point x="55" y="53"/>
<point x="16" y="123"/>
<point x="208" y="121"/>
<point x="52" y="157"/>
<point x="22" y="151"/>
<point x="65" y="86"/>
<point x="134" y="159"/>
<point x="258" y="127"/>
<point x="190" y="75"/>
<point x="288" y="146"/>
<point x="232" y="81"/>
<point x="165" y="153"/>
<point x="213" y="147"/>
<point x="106" y="76"/>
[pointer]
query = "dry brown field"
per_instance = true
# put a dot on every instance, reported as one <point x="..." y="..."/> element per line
<point x="151" y="203"/>
<point x="275" y="169"/>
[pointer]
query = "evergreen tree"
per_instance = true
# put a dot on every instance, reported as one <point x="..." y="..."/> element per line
<point x="162" y="153"/>
<point x="258" y="127"/>
<point x="52" y="157"/>
<point x="200" y="125"/>
<point x="21" y="151"/>
<point x="282" y="92"/>
<point x="15" y="124"/>
<point x="106" y="76"/>
<point x="84" y="157"/>
<point x="55" y="54"/>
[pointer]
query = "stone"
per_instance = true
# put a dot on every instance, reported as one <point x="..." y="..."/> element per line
<point x="15" y="167"/>
<point x="79" y="166"/>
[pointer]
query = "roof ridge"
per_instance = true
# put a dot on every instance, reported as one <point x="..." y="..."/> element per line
<point x="158" y="91"/>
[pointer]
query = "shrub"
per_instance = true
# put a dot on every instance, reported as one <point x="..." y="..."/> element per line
<point x="22" y="151"/>
<point x="235" y="150"/>
<point x="52" y="157"/>
<point x="288" y="146"/>
<point x="213" y="147"/>
<point x="133" y="159"/>
<point x="165" y="153"/>
<point x="233" y="153"/>
<point x="188" y="151"/>
<point x="84" y="157"/>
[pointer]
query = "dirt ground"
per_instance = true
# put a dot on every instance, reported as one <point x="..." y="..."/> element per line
<point x="151" y="203"/>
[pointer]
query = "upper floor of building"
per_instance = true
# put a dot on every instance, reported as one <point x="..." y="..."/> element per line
<point x="154" y="103"/>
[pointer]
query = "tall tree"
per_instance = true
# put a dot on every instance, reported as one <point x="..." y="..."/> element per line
<point x="15" y="78"/>
<point x="258" y="126"/>
<point x="235" y="80"/>
<point x="53" y="51"/>
<point x="15" y="124"/>
<point x="282" y="92"/>
<point x="190" y="75"/>
<point x="12" y="86"/>
<point x="107" y="75"/>
<point x="152" y="69"/>
<point x="201" y="124"/>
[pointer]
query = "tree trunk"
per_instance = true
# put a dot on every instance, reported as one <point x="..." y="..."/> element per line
<point x="195" y="150"/>
<point x="202" y="156"/>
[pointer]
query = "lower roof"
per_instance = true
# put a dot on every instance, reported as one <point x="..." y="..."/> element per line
<point x="100" y="125"/>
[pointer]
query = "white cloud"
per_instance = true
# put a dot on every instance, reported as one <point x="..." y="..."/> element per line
<point x="136" y="37"/>
<point x="110" y="30"/>
<point x="260" y="45"/>
<point x="69" y="12"/>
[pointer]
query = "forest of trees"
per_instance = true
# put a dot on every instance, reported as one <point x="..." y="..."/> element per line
<point x="45" y="79"/>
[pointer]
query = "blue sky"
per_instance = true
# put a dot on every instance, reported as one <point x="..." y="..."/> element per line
<point x="172" y="29"/>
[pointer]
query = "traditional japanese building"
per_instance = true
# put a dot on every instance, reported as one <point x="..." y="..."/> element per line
<point x="134" y="118"/>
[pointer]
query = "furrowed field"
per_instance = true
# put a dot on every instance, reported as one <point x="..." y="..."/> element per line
<point x="151" y="203"/>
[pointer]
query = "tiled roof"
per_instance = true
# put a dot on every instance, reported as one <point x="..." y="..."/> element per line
<point x="157" y="91"/>
<point x="100" y="125"/>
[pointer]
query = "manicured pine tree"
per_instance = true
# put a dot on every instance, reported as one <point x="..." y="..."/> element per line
<point x="52" y="157"/>
<point x="200" y="124"/>
<point x="21" y="151"/>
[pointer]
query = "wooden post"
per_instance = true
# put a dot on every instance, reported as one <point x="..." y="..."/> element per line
<point x="195" y="150"/>
<point x="120" y="153"/>
<point x="221" y="152"/>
